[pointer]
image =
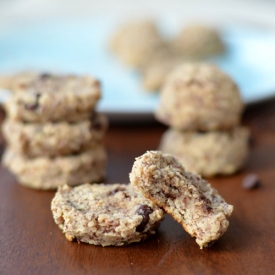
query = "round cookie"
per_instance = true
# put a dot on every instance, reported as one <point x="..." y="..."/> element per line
<point x="135" y="42"/>
<point x="198" y="96"/>
<point x="190" y="200"/>
<point x="198" y="41"/>
<point x="54" y="139"/>
<point x="105" y="215"/>
<point x="54" y="98"/>
<point x="208" y="153"/>
<point x="49" y="173"/>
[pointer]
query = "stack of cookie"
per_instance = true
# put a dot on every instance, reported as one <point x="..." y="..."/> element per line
<point x="53" y="132"/>
<point x="203" y="107"/>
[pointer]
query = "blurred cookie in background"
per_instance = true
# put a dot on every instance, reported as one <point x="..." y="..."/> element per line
<point x="134" y="42"/>
<point x="198" y="41"/>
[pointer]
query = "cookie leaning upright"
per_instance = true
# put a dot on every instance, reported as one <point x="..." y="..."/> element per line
<point x="105" y="215"/>
<point x="53" y="132"/>
<point x="53" y="98"/>
<point x="198" y="96"/>
<point x="190" y="200"/>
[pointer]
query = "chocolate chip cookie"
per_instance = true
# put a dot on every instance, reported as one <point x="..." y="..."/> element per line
<point x="52" y="98"/>
<point x="198" y="41"/>
<point x="49" y="173"/>
<point x="55" y="139"/>
<point x="208" y="153"/>
<point x="190" y="200"/>
<point x="105" y="215"/>
<point x="135" y="42"/>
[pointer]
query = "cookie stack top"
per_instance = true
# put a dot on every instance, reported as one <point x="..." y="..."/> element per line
<point x="44" y="98"/>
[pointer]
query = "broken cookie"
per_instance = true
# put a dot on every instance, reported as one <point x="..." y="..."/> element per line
<point x="190" y="200"/>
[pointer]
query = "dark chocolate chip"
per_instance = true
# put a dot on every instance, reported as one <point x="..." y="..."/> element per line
<point x="45" y="76"/>
<point x="207" y="208"/>
<point x="144" y="210"/>
<point x="2" y="148"/>
<point x="35" y="105"/>
<point x="118" y="189"/>
<point x="211" y="243"/>
<point x="95" y="122"/>
<point x="251" y="181"/>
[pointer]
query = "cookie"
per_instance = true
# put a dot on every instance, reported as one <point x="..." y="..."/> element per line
<point x="198" y="41"/>
<point x="101" y="214"/>
<point x="10" y="82"/>
<point x="49" y="173"/>
<point x="198" y="96"/>
<point x="52" y="98"/>
<point x="154" y="74"/>
<point x="54" y="139"/>
<point x="134" y="42"/>
<point x="208" y="153"/>
<point x="190" y="200"/>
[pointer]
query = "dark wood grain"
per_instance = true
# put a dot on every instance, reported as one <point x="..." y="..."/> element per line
<point x="31" y="243"/>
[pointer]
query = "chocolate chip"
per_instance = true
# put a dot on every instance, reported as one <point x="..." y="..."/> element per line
<point x="118" y="189"/>
<point x="2" y="148"/>
<point x="35" y="105"/>
<point x="144" y="210"/>
<point x="211" y="243"/>
<point x="251" y="181"/>
<point x="95" y="122"/>
<point x="45" y="76"/>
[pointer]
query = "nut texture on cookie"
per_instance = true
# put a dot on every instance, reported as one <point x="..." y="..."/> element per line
<point x="186" y="196"/>
<point x="49" y="173"/>
<point x="198" y="96"/>
<point x="208" y="153"/>
<point x="105" y="215"/>
<point x="53" y="98"/>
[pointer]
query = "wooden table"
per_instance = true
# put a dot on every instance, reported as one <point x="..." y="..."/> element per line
<point x="31" y="243"/>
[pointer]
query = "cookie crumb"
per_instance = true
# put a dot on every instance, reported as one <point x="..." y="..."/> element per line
<point x="251" y="181"/>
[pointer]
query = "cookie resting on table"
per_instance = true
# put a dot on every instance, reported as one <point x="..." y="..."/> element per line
<point x="186" y="196"/>
<point x="208" y="153"/>
<point x="101" y="214"/>
<point x="198" y="96"/>
<point x="54" y="139"/>
<point x="49" y="173"/>
<point x="54" y="98"/>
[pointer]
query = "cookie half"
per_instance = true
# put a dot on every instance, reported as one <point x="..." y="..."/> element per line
<point x="105" y="215"/>
<point x="208" y="153"/>
<point x="54" y="139"/>
<point x="54" y="98"/>
<point x="190" y="200"/>
<point x="199" y="96"/>
<point x="49" y="173"/>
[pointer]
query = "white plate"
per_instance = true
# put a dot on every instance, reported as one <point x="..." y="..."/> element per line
<point x="81" y="47"/>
